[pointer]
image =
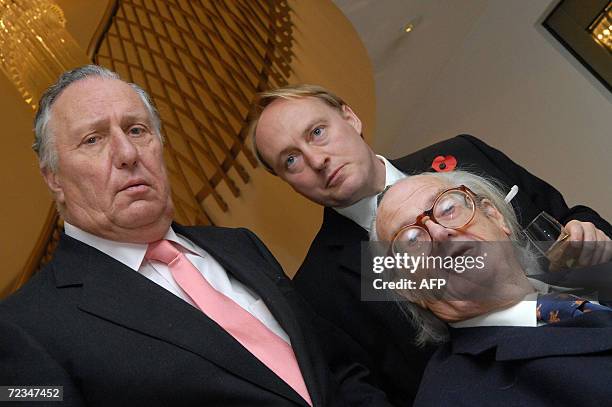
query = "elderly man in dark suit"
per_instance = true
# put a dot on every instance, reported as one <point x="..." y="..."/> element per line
<point x="135" y="310"/>
<point x="507" y="339"/>
<point x="311" y="139"/>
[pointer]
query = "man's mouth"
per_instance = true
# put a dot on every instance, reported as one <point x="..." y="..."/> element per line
<point x="136" y="185"/>
<point x="453" y="249"/>
<point x="333" y="178"/>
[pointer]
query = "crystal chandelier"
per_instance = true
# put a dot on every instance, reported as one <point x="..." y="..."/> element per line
<point x="35" y="47"/>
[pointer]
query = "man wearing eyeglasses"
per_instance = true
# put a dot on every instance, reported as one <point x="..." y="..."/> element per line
<point x="506" y="340"/>
<point x="311" y="139"/>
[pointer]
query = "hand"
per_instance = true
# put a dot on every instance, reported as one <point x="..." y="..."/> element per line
<point x="587" y="244"/>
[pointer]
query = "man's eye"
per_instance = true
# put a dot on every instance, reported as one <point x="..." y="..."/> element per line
<point x="136" y="131"/>
<point x="447" y="208"/>
<point x="317" y="132"/>
<point x="290" y="161"/>
<point x="91" y="140"/>
<point x="412" y="236"/>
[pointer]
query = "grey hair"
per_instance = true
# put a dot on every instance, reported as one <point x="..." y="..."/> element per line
<point x="44" y="145"/>
<point x="484" y="187"/>
<point x="430" y="329"/>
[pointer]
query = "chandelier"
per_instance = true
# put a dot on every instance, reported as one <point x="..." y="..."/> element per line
<point x="35" y="47"/>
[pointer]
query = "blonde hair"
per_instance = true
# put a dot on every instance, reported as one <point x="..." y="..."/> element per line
<point x="299" y="91"/>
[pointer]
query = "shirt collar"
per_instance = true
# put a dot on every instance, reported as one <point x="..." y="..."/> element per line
<point x="130" y="254"/>
<point x="362" y="212"/>
<point x="522" y="313"/>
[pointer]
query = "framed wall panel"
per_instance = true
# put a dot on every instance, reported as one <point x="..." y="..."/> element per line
<point x="573" y="24"/>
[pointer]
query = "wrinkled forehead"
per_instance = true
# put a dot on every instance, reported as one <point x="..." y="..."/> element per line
<point x="407" y="199"/>
<point x="288" y="115"/>
<point x="93" y="98"/>
<point x="416" y="192"/>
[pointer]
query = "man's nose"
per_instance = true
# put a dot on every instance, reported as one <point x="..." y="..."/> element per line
<point x="125" y="153"/>
<point x="438" y="232"/>
<point x="317" y="159"/>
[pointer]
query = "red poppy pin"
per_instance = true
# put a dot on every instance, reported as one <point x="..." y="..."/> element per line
<point x="444" y="163"/>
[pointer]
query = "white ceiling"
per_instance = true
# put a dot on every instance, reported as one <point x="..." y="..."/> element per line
<point x="487" y="68"/>
<point x="406" y="65"/>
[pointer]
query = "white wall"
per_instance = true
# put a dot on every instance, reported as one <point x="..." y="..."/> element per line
<point x="513" y="85"/>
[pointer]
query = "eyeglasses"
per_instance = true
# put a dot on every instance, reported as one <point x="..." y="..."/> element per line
<point x="453" y="208"/>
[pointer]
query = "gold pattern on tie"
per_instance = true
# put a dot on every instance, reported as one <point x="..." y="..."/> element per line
<point x="35" y="47"/>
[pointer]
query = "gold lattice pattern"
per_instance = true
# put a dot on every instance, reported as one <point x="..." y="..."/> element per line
<point x="202" y="62"/>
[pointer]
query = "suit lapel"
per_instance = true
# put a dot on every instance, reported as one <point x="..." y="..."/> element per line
<point x="344" y="237"/>
<point x="589" y="333"/>
<point x="118" y="294"/>
<point x="417" y="162"/>
<point x="251" y="269"/>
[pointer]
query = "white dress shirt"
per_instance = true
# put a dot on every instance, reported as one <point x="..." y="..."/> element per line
<point x="363" y="212"/>
<point x="132" y="255"/>
<point x="522" y="313"/>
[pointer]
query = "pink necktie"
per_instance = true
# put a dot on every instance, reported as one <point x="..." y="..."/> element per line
<point x="264" y="344"/>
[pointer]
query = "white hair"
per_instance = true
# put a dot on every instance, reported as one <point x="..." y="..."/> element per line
<point x="431" y="329"/>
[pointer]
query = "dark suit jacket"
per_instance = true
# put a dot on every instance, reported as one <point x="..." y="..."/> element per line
<point x="329" y="278"/>
<point x="112" y="337"/>
<point x="564" y="364"/>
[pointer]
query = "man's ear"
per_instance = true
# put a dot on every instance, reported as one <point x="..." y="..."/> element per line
<point x="351" y="118"/>
<point x="495" y="215"/>
<point x="54" y="184"/>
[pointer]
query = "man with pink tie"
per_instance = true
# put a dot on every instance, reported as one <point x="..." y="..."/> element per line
<point x="136" y="310"/>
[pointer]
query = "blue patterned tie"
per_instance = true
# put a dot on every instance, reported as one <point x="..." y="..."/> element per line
<point x="557" y="307"/>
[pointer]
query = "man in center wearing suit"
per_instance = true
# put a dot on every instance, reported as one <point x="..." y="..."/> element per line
<point x="311" y="139"/>
<point x="135" y="310"/>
